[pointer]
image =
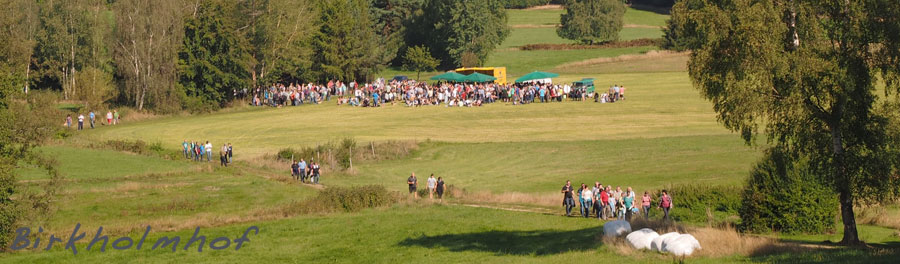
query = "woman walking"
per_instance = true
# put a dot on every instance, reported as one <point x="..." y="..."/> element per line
<point x="587" y="200"/>
<point x="645" y="204"/>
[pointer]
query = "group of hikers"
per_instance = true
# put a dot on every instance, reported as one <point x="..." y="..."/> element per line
<point x="435" y="186"/>
<point x="112" y="118"/>
<point x="198" y="151"/>
<point x="302" y="171"/>
<point x="606" y="202"/>
<point x="413" y="93"/>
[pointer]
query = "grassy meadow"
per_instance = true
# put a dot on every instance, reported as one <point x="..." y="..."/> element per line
<point x="663" y="134"/>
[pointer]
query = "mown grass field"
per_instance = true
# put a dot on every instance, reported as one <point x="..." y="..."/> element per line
<point x="663" y="134"/>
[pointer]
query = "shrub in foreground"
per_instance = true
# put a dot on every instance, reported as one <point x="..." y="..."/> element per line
<point x="782" y="195"/>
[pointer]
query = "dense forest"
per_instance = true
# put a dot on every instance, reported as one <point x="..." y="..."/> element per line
<point x="166" y="56"/>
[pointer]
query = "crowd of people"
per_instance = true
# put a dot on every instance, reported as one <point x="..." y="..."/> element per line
<point x="198" y="151"/>
<point x="435" y="186"/>
<point x="413" y="93"/>
<point x="112" y="118"/>
<point x="606" y="202"/>
<point x="303" y="171"/>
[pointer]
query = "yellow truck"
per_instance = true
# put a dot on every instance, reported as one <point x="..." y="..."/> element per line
<point x="497" y="72"/>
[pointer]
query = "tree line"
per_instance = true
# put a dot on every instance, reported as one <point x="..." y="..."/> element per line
<point x="167" y="56"/>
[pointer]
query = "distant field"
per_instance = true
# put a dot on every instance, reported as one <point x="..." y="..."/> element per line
<point x="520" y="62"/>
<point x="658" y="105"/>
<point x="542" y="167"/>
<point x="551" y="17"/>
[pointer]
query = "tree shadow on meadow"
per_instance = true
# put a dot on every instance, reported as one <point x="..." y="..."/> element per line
<point x="876" y="253"/>
<point x="537" y="242"/>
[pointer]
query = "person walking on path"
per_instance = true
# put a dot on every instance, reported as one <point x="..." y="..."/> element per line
<point x="440" y="188"/>
<point x="645" y="204"/>
<point x="302" y="173"/>
<point x="413" y="184"/>
<point x="223" y="154"/>
<point x="209" y="151"/>
<point x="115" y="117"/>
<point x="588" y="197"/>
<point x="568" y="200"/>
<point x="665" y="202"/>
<point x="69" y="121"/>
<point x="315" y="172"/>
<point x="230" y="153"/>
<point x="80" y="121"/>
<point x="109" y="117"/>
<point x="295" y="170"/>
<point x="596" y="192"/>
<point x="604" y="202"/>
<point x="628" y="204"/>
<point x="432" y="184"/>
<point x="184" y="146"/>
<point x="92" y="117"/>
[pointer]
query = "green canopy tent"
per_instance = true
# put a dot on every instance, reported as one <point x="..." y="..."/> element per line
<point x="449" y="76"/>
<point x="479" y="78"/>
<point x="538" y="75"/>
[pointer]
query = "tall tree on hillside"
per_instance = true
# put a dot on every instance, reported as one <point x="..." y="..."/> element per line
<point x="592" y="21"/>
<point x="807" y="72"/>
<point x="18" y="26"/>
<point x="279" y="32"/>
<point x="147" y="39"/>
<point x="62" y="42"/>
<point x="390" y="21"/>
<point x="213" y="59"/>
<point x="460" y="32"/>
<point x="344" y="44"/>
<point x="94" y="83"/>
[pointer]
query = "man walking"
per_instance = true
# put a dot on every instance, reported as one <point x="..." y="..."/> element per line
<point x="413" y="184"/>
<point x="185" y="146"/>
<point x="92" y="118"/>
<point x="432" y="184"/>
<point x="208" y="151"/>
<point x="302" y="173"/>
<point x="568" y="200"/>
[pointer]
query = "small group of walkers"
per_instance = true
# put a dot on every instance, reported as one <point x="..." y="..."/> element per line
<point x="112" y="118"/>
<point x="198" y="151"/>
<point x="305" y="172"/>
<point x="435" y="186"/>
<point x="606" y="202"/>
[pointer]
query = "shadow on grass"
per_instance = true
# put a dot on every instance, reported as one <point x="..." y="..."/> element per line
<point x="650" y="7"/>
<point x="835" y="255"/>
<point x="538" y="242"/>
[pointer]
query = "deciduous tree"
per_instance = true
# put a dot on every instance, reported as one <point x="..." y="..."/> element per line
<point x="807" y="72"/>
<point x="419" y="59"/>
<point x="592" y="21"/>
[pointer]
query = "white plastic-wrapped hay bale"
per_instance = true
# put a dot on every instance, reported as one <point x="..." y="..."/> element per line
<point x="681" y="245"/>
<point x="641" y="239"/>
<point x="657" y="243"/>
<point x="616" y="228"/>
